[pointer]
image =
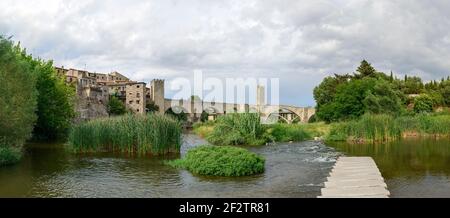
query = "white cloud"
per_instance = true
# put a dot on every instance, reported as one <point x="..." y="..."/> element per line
<point x="298" y="41"/>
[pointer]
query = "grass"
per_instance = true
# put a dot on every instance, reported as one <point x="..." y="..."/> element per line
<point x="133" y="134"/>
<point x="382" y="128"/>
<point x="220" y="161"/>
<point x="9" y="155"/>
<point x="204" y="129"/>
<point x="288" y="132"/>
<point x="237" y="129"/>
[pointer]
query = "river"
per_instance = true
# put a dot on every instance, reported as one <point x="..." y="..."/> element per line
<point x="48" y="170"/>
<point x="411" y="168"/>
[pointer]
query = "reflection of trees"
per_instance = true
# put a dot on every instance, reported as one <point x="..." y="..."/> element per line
<point x="411" y="157"/>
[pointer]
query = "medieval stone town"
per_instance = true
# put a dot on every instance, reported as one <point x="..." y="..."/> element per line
<point x="95" y="89"/>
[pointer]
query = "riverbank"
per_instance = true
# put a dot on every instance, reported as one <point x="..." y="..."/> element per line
<point x="367" y="129"/>
<point x="385" y="128"/>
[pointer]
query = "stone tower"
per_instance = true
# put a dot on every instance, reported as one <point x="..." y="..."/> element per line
<point x="135" y="97"/>
<point x="260" y="96"/>
<point x="157" y="90"/>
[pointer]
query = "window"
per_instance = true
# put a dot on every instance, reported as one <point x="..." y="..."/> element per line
<point x="131" y="93"/>
<point x="138" y="86"/>
<point x="137" y="110"/>
<point x="130" y="102"/>
<point x="138" y="102"/>
<point x="138" y="95"/>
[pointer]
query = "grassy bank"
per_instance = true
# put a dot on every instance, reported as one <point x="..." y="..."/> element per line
<point x="133" y="134"/>
<point x="221" y="161"/>
<point x="246" y="129"/>
<point x="381" y="128"/>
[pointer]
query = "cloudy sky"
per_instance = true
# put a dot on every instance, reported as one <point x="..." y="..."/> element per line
<point x="298" y="41"/>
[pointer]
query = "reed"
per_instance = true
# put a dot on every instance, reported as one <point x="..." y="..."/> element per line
<point x="382" y="128"/>
<point x="133" y="134"/>
<point x="238" y="129"/>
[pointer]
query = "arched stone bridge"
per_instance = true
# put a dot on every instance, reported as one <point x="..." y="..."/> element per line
<point x="269" y="113"/>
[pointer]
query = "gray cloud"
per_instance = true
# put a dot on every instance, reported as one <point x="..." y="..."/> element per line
<point x="298" y="41"/>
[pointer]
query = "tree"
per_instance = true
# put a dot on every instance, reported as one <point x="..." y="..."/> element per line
<point x="55" y="108"/>
<point x="423" y="104"/>
<point x="181" y="115"/>
<point x="365" y="70"/>
<point x="152" y="107"/>
<point x="116" y="106"/>
<point x="17" y="102"/>
<point x="383" y="99"/>
<point x="204" y="116"/>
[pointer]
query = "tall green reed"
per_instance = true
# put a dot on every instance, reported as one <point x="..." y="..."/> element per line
<point x="134" y="134"/>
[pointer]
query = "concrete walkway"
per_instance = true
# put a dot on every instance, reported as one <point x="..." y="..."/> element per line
<point x="355" y="177"/>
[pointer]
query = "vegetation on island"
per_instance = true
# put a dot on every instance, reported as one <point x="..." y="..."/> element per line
<point x="221" y="161"/>
<point x="132" y="134"/>
<point x="247" y="129"/>
<point x="35" y="102"/>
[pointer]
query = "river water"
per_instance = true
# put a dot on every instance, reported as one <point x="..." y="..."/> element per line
<point x="411" y="168"/>
<point x="47" y="170"/>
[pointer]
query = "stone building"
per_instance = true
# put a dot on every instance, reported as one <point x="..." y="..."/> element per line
<point x="136" y="97"/>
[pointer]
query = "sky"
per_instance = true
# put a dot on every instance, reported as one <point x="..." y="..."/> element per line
<point x="300" y="42"/>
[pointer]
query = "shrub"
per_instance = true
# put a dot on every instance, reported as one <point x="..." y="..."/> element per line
<point x="135" y="134"/>
<point x="9" y="155"/>
<point x="221" y="161"/>
<point x="423" y="104"/>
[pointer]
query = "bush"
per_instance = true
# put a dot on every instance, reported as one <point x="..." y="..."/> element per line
<point x="9" y="155"/>
<point x="221" y="161"/>
<point x="423" y="104"/>
<point x="238" y="129"/>
<point x="135" y="134"/>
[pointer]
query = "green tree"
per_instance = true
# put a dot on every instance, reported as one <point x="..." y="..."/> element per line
<point x="365" y="70"/>
<point x="383" y="99"/>
<point x="55" y="108"/>
<point x="152" y="107"/>
<point x="116" y="106"/>
<point x="204" y="116"/>
<point x="423" y="104"/>
<point x="180" y="115"/>
<point x="446" y="94"/>
<point x="18" y="101"/>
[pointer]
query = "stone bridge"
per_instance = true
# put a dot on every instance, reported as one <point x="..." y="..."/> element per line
<point x="269" y="113"/>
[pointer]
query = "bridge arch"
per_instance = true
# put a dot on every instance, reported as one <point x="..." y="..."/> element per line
<point x="285" y="115"/>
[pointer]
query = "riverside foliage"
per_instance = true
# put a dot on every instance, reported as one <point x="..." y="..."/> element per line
<point x="35" y="101"/>
<point x="382" y="128"/>
<point x="247" y="129"/>
<point x="221" y="161"/>
<point x="132" y="134"/>
<point x="18" y="102"/>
